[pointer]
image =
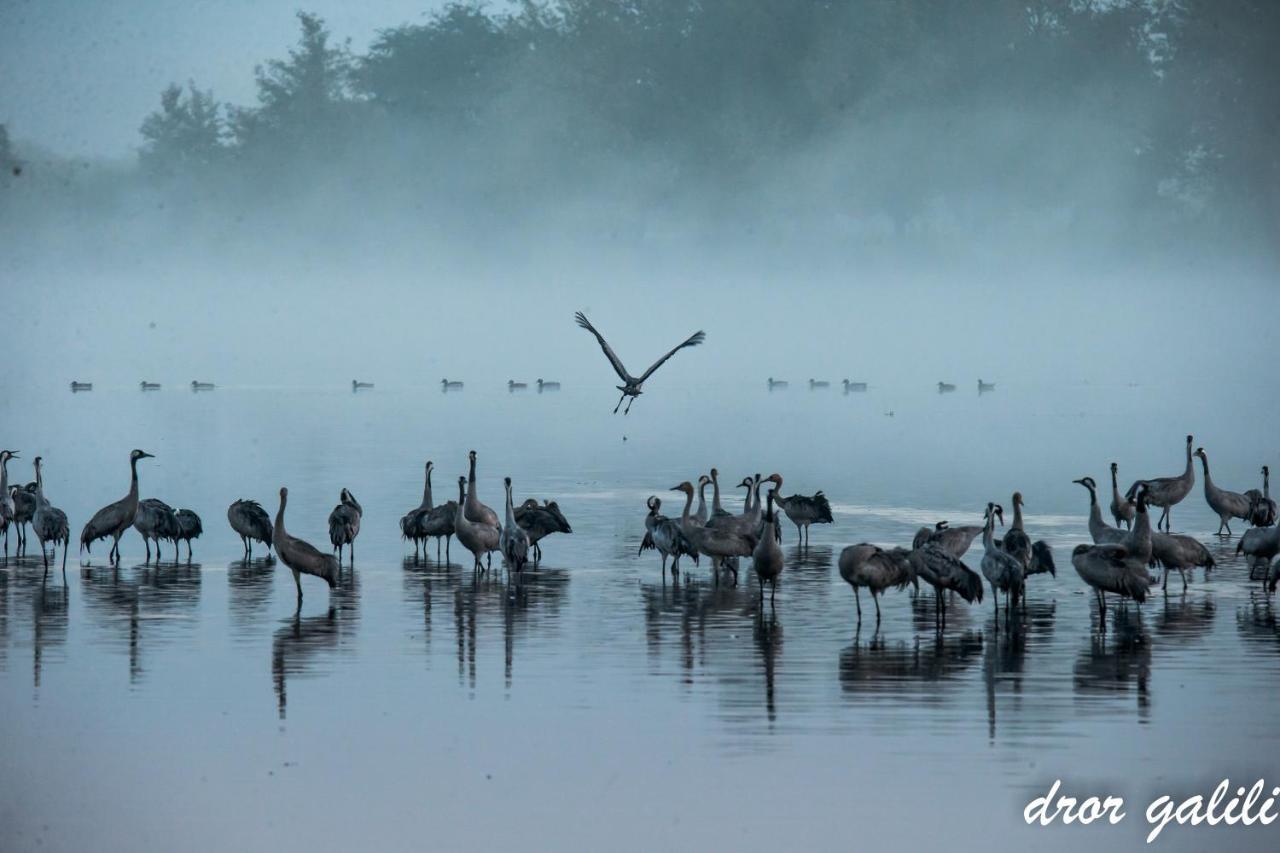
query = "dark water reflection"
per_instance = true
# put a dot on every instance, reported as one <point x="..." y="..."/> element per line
<point x="594" y="679"/>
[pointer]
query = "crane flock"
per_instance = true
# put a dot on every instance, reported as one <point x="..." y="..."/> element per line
<point x="1117" y="562"/>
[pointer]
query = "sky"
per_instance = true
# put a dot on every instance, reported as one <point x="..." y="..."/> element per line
<point x="78" y="76"/>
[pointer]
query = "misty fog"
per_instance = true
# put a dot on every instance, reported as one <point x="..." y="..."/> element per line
<point x="1054" y="192"/>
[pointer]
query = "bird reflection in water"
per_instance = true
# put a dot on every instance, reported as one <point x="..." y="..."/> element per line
<point x="1117" y="662"/>
<point x="146" y="606"/>
<point x="1005" y="656"/>
<point x="768" y="639"/>
<point x="879" y="669"/>
<point x="306" y="644"/>
<point x="1256" y="622"/>
<point x="48" y="613"/>
<point x="249" y="586"/>
<point x="1185" y="617"/>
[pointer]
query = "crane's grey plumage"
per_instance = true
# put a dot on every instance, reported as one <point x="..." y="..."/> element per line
<point x="1262" y="509"/>
<point x="250" y="521"/>
<point x="1110" y="568"/>
<point x="189" y="527"/>
<point x="513" y="540"/>
<point x="804" y="510"/>
<point x="155" y="521"/>
<point x="1121" y="507"/>
<point x="1259" y="545"/>
<point x="876" y="569"/>
<point x="24" y="508"/>
<point x="474" y="509"/>
<point x="7" y="509"/>
<point x="631" y="386"/>
<point x="300" y="556"/>
<point x="955" y="541"/>
<point x="1101" y="532"/>
<point x="1002" y="570"/>
<point x="540" y="522"/>
<point x="700" y="517"/>
<point x="722" y="546"/>
<point x="1167" y="492"/>
<point x="1036" y="557"/>
<point x="1179" y="552"/>
<point x="766" y="557"/>
<point x="945" y="573"/>
<point x="665" y="536"/>
<point x="478" y="537"/>
<point x="49" y="524"/>
<point x="344" y="524"/>
<point x="1226" y="504"/>
<point x="429" y="521"/>
<point x="115" y="518"/>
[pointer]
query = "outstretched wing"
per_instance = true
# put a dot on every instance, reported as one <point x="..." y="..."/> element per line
<point x="608" y="350"/>
<point x="692" y="341"/>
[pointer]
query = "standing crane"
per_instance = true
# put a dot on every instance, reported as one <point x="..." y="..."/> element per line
<point x="115" y="518"/>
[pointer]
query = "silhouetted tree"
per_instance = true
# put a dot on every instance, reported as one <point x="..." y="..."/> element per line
<point x="186" y="132"/>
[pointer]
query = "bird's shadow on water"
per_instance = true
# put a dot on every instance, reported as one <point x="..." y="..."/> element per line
<point x="1113" y="664"/>
<point x="142" y="607"/>
<point x="923" y="668"/>
<point x="1185" y="617"/>
<point x="47" y="606"/>
<point x="521" y="607"/>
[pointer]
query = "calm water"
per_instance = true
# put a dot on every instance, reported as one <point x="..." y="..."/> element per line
<point x="592" y="704"/>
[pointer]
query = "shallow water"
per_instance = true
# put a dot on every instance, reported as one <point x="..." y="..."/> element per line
<point x="188" y="707"/>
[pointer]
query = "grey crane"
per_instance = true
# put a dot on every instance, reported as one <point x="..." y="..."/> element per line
<point x="816" y="384"/>
<point x="720" y="545"/>
<point x="154" y="521"/>
<point x="250" y="521"/>
<point x="631" y="386"/>
<point x="115" y="518"/>
<point x="49" y="524"/>
<point x="1259" y="544"/>
<point x="24" y="509"/>
<point x="7" y="509"/>
<point x="878" y="570"/>
<point x="1262" y="510"/>
<point x="357" y="385"/>
<point x="1110" y="568"/>
<point x="344" y="524"/>
<point x="1226" y="504"/>
<point x="777" y="383"/>
<point x="854" y="387"/>
<point x="955" y="541"/>
<point x="1181" y="553"/>
<point x="766" y="557"/>
<point x="1036" y="557"/>
<point x="717" y="510"/>
<point x="429" y="521"/>
<point x="149" y="386"/>
<point x="945" y="573"/>
<point x="189" y="527"/>
<point x="1167" y="492"/>
<point x="1121" y="507"/>
<point x="804" y="510"/>
<point x="197" y="385"/>
<point x="478" y="537"/>
<point x="945" y="387"/>
<point x="513" y="540"/>
<point x="1102" y="533"/>
<point x="300" y="556"/>
<point x="664" y="535"/>
<point x="81" y="386"/>
<point x="700" y="517"/>
<point x="475" y="510"/>
<point x="540" y="522"/>
<point x="411" y="521"/>
<point x="1002" y="570"/>
<point x="547" y="386"/>
<point x="447" y="385"/>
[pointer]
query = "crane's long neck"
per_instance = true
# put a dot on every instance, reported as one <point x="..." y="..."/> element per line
<point x="426" y="491"/>
<point x="133" y="479"/>
<point x="702" y="497"/>
<point x="715" y="493"/>
<point x="688" y="504"/>
<point x="1017" y="516"/>
<point x="1266" y="483"/>
<point x="471" y="472"/>
<point x="279" y="531"/>
<point x="986" y="530"/>
<point x="755" y="497"/>
<point x="39" y="485"/>
<point x="1142" y="523"/>
<point x="1115" y="487"/>
<point x="511" y="513"/>
<point x="4" y="478"/>
<point x="1190" y="471"/>
<point x="460" y="515"/>
<point x="1208" y="481"/>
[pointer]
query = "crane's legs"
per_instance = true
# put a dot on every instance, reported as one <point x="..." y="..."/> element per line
<point x="876" y="599"/>
<point x="857" y="601"/>
<point x="627" y="411"/>
<point x="297" y="581"/>
<point x="619" y="406"/>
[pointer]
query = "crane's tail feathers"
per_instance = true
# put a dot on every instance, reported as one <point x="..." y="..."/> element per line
<point x="824" y="508"/>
